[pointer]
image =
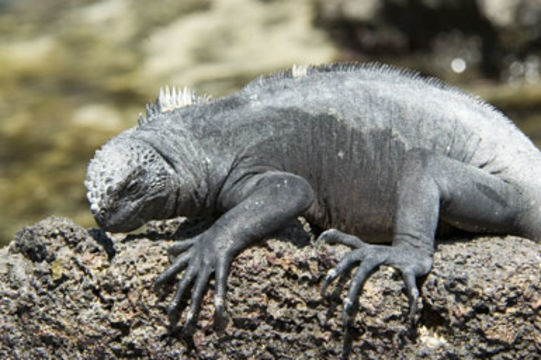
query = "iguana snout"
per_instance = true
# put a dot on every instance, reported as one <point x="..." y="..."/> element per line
<point x="129" y="183"/>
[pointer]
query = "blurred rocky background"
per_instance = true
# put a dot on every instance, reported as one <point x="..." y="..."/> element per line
<point x="74" y="73"/>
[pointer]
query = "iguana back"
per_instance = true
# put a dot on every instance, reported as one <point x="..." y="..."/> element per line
<point x="346" y="129"/>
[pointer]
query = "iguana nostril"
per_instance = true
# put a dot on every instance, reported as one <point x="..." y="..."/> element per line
<point x="94" y="208"/>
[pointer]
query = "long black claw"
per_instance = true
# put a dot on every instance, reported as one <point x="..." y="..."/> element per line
<point x="368" y="265"/>
<point x="348" y="341"/>
<point x="220" y="318"/>
<point x="346" y="263"/>
<point x="175" y="307"/>
<point x="179" y="264"/>
<point x="197" y="295"/>
<point x="334" y="236"/>
<point x="350" y="308"/>
<point x="174" y="318"/>
<point x="331" y="275"/>
<point x="413" y="295"/>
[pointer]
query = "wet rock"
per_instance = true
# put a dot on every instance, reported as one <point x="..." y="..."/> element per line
<point x="85" y="294"/>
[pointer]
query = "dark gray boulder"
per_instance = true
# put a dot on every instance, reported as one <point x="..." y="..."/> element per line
<point x="67" y="292"/>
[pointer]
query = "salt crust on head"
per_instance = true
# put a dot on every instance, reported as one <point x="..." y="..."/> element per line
<point x="111" y="164"/>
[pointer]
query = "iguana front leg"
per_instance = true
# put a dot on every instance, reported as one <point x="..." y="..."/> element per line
<point x="431" y="186"/>
<point x="258" y="205"/>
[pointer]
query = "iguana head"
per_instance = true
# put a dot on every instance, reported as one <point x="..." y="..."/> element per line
<point x="129" y="183"/>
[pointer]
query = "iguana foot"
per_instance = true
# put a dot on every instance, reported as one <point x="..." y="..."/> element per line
<point x="199" y="257"/>
<point x="411" y="262"/>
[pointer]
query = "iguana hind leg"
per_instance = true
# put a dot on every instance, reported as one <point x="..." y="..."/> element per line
<point x="431" y="186"/>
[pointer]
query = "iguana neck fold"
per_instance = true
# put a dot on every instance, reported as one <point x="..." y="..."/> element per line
<point x="191" y="180"/>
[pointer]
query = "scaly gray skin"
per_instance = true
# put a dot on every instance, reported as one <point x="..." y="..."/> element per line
<point x="374" y="151"/>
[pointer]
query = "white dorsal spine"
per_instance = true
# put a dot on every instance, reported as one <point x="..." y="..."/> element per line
<point x="299" y="70"/>
<point x="170" y="99"/>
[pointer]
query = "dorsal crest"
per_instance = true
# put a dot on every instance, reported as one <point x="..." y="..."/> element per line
<point x="170" y="99"/>
<point x="299" y="70"/>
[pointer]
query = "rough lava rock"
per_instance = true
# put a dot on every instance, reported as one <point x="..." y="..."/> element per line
<point x="72" y="293"/>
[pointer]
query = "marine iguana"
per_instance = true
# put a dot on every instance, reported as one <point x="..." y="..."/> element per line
<point x="371" y="151"/>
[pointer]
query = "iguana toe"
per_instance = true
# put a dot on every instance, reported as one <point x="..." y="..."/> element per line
<point x="178" y="265"/>
<point x="333" y="236"/>
<point x="180" y="246"/>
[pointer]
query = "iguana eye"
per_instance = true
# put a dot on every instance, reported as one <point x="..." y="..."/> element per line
<point x="131" y="188"/>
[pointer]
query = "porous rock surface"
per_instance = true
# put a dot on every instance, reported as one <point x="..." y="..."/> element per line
<point x="71" y="293"/>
